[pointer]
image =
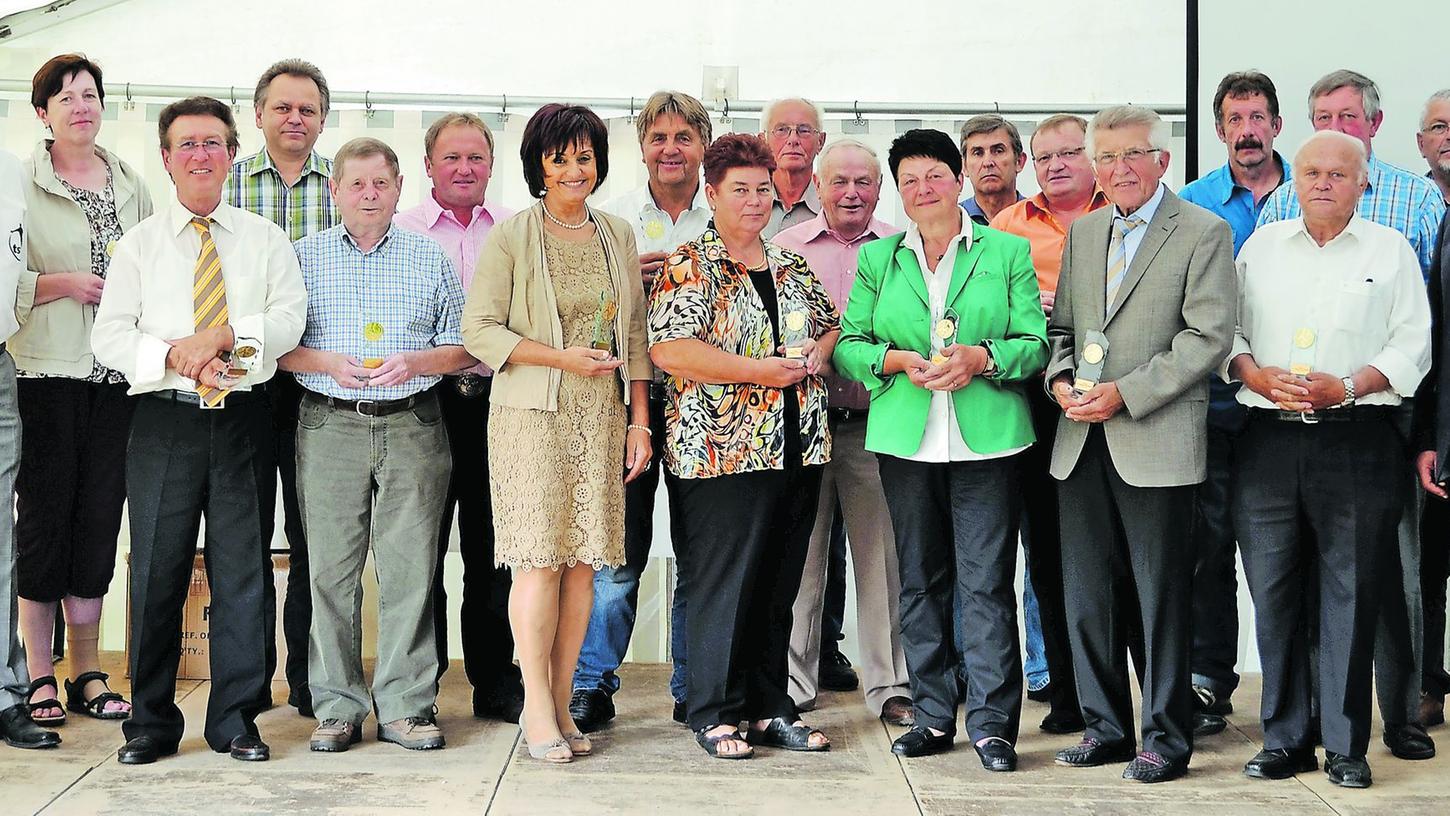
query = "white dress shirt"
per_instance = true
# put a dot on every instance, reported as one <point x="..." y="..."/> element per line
<point x="654" y="230"/>
<point x="942" y="440"/>
<point x="1134" y="239"/>
<point x="12" y="228"/>
<point x="148" y="297"/>
<point x="1361" y="295"/>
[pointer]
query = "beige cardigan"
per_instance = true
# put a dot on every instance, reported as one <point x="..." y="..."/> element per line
<point x="512" y="298"/>
<point x="55" y="337"/>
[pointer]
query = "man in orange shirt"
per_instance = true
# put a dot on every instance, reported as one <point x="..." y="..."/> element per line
<point x="1065" y="174"/>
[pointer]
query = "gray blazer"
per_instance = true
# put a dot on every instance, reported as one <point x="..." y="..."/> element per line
<point x="1172" y="325"/>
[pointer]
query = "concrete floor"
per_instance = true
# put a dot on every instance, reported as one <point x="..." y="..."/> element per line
<point x="645" y="763"/>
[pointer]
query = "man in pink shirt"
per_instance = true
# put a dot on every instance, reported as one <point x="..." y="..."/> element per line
<point x="458" y="157"/>
<point x="848" y="178"/>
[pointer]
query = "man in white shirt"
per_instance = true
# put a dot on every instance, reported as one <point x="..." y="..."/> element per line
<point x="201" y="299"/>
<point x="1334" y="333"/>
<point x="16" y="727"/>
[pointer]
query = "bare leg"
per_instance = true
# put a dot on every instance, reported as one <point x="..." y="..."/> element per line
<point x="83" y="635"/>
<point x="576" y="597"/>
<point x="37" y="629"/>
<point x="534" y="618"/>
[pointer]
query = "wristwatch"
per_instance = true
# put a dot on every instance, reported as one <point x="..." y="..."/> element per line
<point x="991" y="365"/>
<point x="1348" y="393"/>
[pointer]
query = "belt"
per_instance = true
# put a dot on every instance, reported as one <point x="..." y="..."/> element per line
<point x="1356" y="413"/>
<point x="656" y="391"/>
<point x="371" y="408"/>
<point x="847" y="414"/>
<point x="468" y="384"/>
<point x="193" y="398"/>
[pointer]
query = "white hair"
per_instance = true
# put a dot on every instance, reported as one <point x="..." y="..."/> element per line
<point x="1121" y="116"/>
<point x="843" y="143"/>
<point x="765" y="117"/>
<point x="1344" y="140"/>
<point x="1442" y="95"/>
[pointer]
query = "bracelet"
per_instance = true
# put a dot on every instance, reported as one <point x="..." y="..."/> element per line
<point x="644" y="428"/>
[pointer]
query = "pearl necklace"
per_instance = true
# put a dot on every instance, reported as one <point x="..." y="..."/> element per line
<point x="578" y="226"/>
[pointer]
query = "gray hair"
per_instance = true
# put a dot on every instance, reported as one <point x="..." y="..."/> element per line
<point x="1369" y="93"/>
<point x="991" y="123"/>
<point x="1344" y="140"/>
<point x="1121" y="116"/>
<point x="1442" y="95"/>
<point x="293" y="67"/>
<point x="847" y="143"/>
<point x="765" y="116"/>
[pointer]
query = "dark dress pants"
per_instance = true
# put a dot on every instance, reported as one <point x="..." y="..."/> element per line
<point x="1215" y="573"/>
<point x="746" y="537"/>
<point x="1342" y="482"/>
<point x="1434" y="571"/>
<point x="283" y="395"/>
<point x="1398" y="649"/>
<point x="1123" y="548"/>
<point x="956" y="532"/>
<point x="483" y="621"/>
<point x="184" y="463"/>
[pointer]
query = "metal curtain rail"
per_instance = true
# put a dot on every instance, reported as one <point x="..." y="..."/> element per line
<point x="239" y="95"/>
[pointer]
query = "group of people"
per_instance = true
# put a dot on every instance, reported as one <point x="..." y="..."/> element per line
<point x="1138" y="383"/>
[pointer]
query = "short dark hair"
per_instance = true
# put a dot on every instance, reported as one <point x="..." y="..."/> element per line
<point x="197" y="106"/>
<point x="991" y="123"/>
<point x="924" y="143"/>
<point x="553" y="129"/>
<point x="293" y="67"/>
<point x="736" y="150"/>
<point x="52" y="76"/>
<point x="1243" y="84"/>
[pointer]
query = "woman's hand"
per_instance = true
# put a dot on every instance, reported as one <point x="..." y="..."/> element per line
<point x="961" y="365"/>
<point x="810" y="354"/>
<point x="637" y="452"/>
<point x="779" y="372"/>
<point x="587" y="362"/>
<point x="912" y="364"/>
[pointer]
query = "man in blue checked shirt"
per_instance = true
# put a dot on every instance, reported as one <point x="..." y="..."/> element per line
<point x="372" y="453"/>
<point x="1350" y="103"/>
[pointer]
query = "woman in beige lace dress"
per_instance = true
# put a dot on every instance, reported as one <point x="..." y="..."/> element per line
<point x="556" y="309"/>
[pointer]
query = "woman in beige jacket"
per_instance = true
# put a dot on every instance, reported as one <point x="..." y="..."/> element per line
<point x="74" y="412"/>
<point x="556" y="309"/>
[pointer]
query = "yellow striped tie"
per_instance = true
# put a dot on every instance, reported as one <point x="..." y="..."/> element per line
<point x="1118" y="257"/>
<point x="209" y="293"/>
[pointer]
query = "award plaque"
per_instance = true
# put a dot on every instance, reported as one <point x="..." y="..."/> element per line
<point x="795" y="334"/>
<point x="943" y="334"/>
<point x="604" y="323"/>
<point x="243" y="359"/>
<point x="1090" y="364"/>
<point x="372" y="351"/>
<point x="1301" y="352"/>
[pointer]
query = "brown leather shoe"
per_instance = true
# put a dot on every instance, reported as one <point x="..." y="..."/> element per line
<point x="898" y="711"/>
<point x="1432" y="709"/>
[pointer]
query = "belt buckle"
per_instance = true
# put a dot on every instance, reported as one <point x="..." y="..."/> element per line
<point x="1308" y="418"/>
<point x="468" y="385"/>
<point x="357" y="408"/>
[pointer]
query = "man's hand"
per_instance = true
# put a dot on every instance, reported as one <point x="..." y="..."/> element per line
<point x="395" y="370"/>
<point x="349" y="372"/>
<point x="650" y="264"/>
<point x="1288" y="391"/>
<point x="214" y="374"/>
<point x="588" y="362"/>
<point x="1425" y="467"/>
<point x="780" y="372"/>
<point x="961" y="365"/>
<point x="1325" y="390"/>
<point x="1048" y="298"/>
<point x="1066" y="397"/>
<point x="1099" y="404"/>
<point x="637" y="452"/>
<point x="188" y="355"/>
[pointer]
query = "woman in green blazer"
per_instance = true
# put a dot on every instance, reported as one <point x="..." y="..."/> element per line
<point x="944" y="325"/>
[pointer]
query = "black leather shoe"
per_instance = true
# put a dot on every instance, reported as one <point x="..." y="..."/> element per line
<point x="1092" y="752"/>
<point x="1150" y="767"/>
<point x="1409" y="741"/>
<point x="1207" y="701"/>
<point x="250" y="748"/>
<point x="300" y="698"/>
<point x="1281" y="763"/>
<point x="143" y="750"/>
<point x="919" y="741"/>
<point x="1062" y="721"/>
<point x="681" y="713"/>
<point x="19" y="731"/>
<point x="591" y="709"/>
<point x="997" y="754"/>
<point x="836" y="673"/>
<point x="1347" y="771"/>
<point x="1206" y="724"/>
<point x="1042" y="695"/>
<point x="505" y="703"/>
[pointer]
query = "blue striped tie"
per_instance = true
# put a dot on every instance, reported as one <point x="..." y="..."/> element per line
<point x="1118" y="257"/>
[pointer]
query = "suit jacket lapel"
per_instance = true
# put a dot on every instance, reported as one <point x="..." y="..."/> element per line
<point x="1163" y="223"/>
<point x="1096" y="249"/>
<point x="911" y="270"/>
<point x="963" y="266"/>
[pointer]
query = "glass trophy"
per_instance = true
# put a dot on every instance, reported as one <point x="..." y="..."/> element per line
<point x="603" y="338"/>
<point x="943" y="334"/>
<point x="243" y="359"/>
<point x="795" y="334"/>
<point x="372" y="356"/>
<point x="1090" y="365"/>
<point x="1301" y="352"/>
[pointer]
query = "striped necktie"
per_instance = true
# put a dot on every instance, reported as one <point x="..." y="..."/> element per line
<point x="1118" y="257"/>
<point x="209" y="294"/>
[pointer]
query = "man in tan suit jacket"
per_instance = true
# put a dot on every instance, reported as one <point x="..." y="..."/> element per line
<point x="1155" y="276"/>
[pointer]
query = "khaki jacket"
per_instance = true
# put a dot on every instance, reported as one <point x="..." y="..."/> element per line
<point x="512" y="298"/>
<point x="55" y="337"/>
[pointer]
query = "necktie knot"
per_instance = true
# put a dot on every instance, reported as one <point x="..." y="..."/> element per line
<point x="201" y="224"/>
<point x="1123" y="226"/>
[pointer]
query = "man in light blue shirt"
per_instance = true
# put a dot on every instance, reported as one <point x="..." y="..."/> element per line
<point x="372" y="454"/>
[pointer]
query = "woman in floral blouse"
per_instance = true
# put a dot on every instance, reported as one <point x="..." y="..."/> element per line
<point x="743" y="328"/>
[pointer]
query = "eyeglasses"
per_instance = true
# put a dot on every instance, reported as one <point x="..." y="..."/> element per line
<point x="1065" y="155"/>
<point x="1436" y="129"/>
<point x="784" y="131"/>
<point x="1132" y="156"/>
<point x="212" y="146"/>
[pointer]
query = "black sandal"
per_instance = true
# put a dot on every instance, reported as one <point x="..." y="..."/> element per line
<point x="712" y="744"/>
<point x="36" y="685"/>
<point x="75" y="691"/>
<point x="781" y="733"/>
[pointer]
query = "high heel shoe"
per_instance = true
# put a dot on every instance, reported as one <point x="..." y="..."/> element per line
<point x="558" y="751"/>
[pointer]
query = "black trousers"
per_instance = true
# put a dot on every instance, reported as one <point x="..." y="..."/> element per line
<point x="1344" y="483"/>
<point x="283" y="396"/>
<point x="70" y="486"/>
<point x="184" y="463"/>
<point x="483" y="621"/>
<point x="1434" y="572"/>
<point x="1123" y="548"/>
<point x="746" y="537"/>
<point x="956" y="532"/>
<point x="1042" y="542"/>
<point x="1215" y="572"/>
<point x="833" y="609"/>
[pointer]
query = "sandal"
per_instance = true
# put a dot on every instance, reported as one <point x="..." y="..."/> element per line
<point x="579" y="745"/>
<point x="96" y="706"/>
<point x="556" y="751"/>
<point x="781" y="733"/>
<point x="36" y="685"/>
<point x="712" y="744"/>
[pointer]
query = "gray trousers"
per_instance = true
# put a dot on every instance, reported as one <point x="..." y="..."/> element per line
<point x="372" y="483"/>
<point x="854" y="476"/>
<point x="14" y="679"/>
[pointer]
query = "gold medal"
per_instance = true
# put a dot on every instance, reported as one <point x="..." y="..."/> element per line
<point x="795" y="321"/>
<point x="1299" y="369"/>
<point x="654" y="229"/>
<point x="938" y="359"/>
<point x="110" y="249"/>
<point x="946" y="328"/>
<point x="1304" y="338"/>
<point x="373" y="332"/>
<point x="1092" y="353"/>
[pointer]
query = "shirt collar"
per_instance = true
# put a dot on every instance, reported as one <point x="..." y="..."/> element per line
<point x="913" y="234"/>
<point x="647" y="199"/>
<point x="818" y="227"/>
<point x="1148" y="210"/>
<point x="351" y="244"/>
<point x="811" y="198"/>
<point x="180" y="216"/>
<point x="262" y="161"/>
<point x="1037" y="205"/>
<point x="1227" y="185"/>
<point x="1355" y="228"/>
<point x="433" y="211"/>
<point x="974" y="209"/>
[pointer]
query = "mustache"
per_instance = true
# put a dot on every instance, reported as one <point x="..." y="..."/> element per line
<point x="1248" y="142"/>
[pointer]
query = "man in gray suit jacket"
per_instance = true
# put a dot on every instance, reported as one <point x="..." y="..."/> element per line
<point x="1144" y="312"/>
